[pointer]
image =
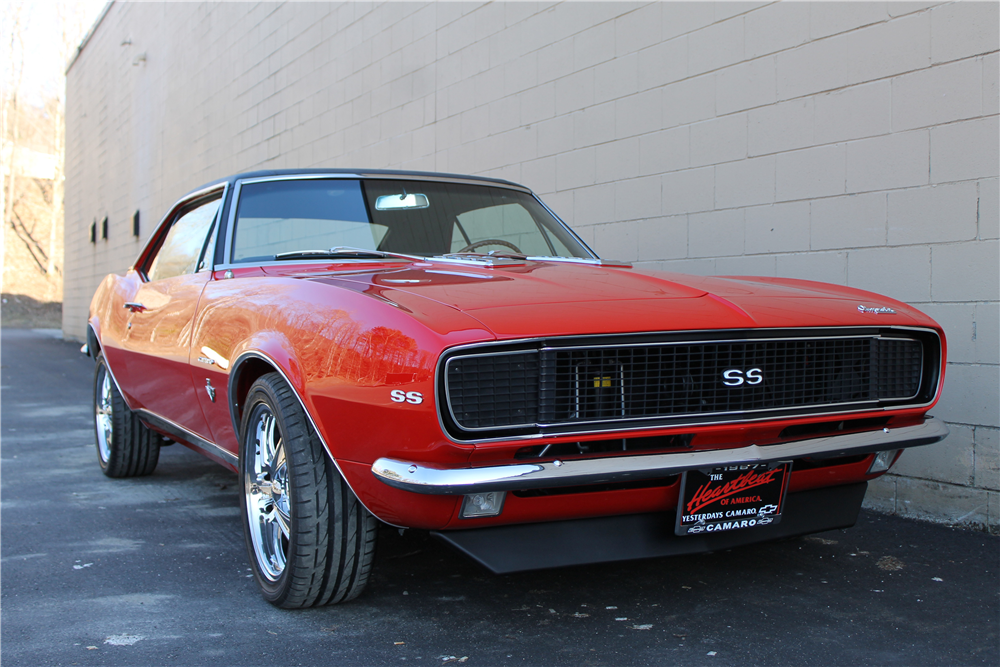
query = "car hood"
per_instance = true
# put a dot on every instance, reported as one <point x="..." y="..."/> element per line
<point x="561" y="298"/>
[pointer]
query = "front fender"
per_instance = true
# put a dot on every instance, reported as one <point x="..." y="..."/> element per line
<point x="268" y="347"/>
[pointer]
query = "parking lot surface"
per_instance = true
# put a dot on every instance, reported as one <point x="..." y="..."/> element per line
<point x="153" y="570"/>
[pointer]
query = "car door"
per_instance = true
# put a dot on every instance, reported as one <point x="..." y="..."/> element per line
<point x="156" y="344"/>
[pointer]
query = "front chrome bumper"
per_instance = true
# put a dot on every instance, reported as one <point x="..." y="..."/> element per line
<point x="425" y="479"/>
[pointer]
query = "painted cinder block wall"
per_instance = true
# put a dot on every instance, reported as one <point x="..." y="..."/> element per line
<point x="854" y="143"/>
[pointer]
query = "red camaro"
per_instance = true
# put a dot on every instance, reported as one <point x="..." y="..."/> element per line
<point x="441" y="352"/>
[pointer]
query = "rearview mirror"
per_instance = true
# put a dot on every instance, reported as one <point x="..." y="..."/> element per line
<point x="392" y="202"/>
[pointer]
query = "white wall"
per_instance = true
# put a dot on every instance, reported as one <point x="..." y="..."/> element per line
<point x="855" y="143"/>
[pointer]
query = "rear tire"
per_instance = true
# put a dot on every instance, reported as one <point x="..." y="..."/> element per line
<point x="310" y="541"/>
<point x="125" y="447"/>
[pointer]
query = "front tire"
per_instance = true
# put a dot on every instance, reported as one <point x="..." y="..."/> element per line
<point x="311" y="542"/>
<point x="125" y="447"/>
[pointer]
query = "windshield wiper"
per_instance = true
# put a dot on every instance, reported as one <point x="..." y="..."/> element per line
<point x="341" y="252"/>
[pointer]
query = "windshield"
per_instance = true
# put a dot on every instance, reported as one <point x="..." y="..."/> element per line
<point x="296" y="219"/>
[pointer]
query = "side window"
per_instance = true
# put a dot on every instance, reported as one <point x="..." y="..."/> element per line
<point x="182" y="247"/>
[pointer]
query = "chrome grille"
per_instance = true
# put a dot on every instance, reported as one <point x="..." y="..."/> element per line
<point x="565" y="385"/>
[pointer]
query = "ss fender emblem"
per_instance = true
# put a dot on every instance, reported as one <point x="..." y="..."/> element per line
<point x="400" y="396"/>
<point x="734" y="377"/>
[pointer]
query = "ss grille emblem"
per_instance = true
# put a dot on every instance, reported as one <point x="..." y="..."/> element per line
<point x="734" y="377"/>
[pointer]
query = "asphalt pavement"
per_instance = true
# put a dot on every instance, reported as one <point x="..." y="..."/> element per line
<point x="153" y="571"/>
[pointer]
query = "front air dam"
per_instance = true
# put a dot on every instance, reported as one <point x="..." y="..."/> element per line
<point x="536" y="546"/>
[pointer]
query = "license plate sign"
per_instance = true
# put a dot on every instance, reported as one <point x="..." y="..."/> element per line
<point x="732" y="498"/>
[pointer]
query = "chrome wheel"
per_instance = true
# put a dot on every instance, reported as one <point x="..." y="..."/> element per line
<point x="125" y="446"/>
<point x="265" y="484"/>
<point x="104" y="418"/>
<point x="309" y="540"/>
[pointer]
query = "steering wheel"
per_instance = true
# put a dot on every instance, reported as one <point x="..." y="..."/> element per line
<point x="477" y="244"/>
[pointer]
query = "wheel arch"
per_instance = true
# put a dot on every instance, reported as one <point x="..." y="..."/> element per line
<point x="93" y="340"/>
<point x="251" y="365"/>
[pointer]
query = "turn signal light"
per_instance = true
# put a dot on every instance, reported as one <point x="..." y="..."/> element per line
<point x="883" y="461"/>
<point x="478" y="505"/>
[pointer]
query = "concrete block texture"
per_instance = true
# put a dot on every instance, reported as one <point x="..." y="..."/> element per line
<point x="812" y="68"/>
<point x="966" y="272"/>
<point x="853" y="143"/>
<point x="776" y="28"/>
<point x="853" y="113"/>
<point x="782" y="127"/>
<point x="892" y="161"/>
<point x="745" y="182"/>
<point x="777" y="228"/>
<point x="688" y="191"/>
<point x="745" y="265"/>
<point x="937" y="501"/>
<point x="827" y="267"/>
<point x="851" y="221"/>
<point x="745" y="86"/>
<point x="966" y="150"/>
<point x="991" y="84"/>
<point x="933" y="214"/>
<point x="719" y="140"/>
<point x="831" y="18"/>
<point x="885" y="49"/>
<point x="987" y="448"/>
<point x="662" y="238"/>
<point x="937" y="95"/>
<point x="971" y="330"/>
<point x="970" y="395"/>
<point x="716" y="46"/>
<point x="952" y="460"/>
<point x="716" y="233"/>
<point x="810" y="173"/>
<point x="881" y="495"/>
<point x="592" y="205"/>
<point x="961" y="29"/>
<point x="902" y="273"/>
<point x="989" y="209"/>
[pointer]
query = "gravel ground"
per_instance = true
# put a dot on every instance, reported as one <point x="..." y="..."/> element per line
<point x="154" y="571"/>
<point x="18" y="311"/>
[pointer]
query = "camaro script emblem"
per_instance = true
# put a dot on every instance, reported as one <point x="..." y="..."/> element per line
<point x="882" y="310"/>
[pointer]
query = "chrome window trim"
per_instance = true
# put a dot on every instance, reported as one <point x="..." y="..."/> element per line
<point x="210" y="261"/>
<point x="565" y="226"/>
<point x="227" y="262"/>
<point x="228" y="249"/>
<point x="298" y="177"/>
<point x="448" y="353"/>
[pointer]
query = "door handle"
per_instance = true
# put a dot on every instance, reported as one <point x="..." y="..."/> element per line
<point x="134" y="306"/>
